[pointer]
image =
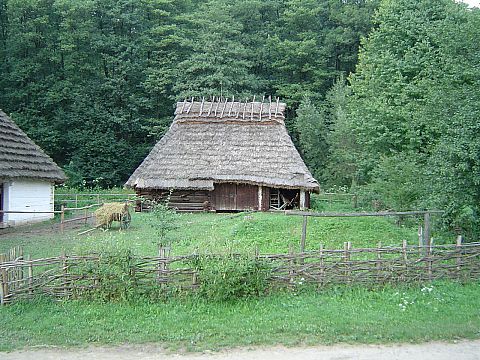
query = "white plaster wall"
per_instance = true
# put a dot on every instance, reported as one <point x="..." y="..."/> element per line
<point x="28" y="195"/>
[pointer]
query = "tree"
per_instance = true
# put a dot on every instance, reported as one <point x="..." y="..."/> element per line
<point x="312" y="133"/>
<point x="414" y="98"/>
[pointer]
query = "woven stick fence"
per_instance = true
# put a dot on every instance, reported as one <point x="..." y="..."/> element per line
<point x="64" y="276"/>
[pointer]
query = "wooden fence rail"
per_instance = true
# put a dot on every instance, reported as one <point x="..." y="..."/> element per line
<point x="64" y="276"/>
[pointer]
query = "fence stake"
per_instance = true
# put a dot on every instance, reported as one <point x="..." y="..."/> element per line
<point x="2" y="295"/>
<point x="420" y="239"/>
<point x="304" y="234"/>
<point x="322" y="266"/>
<point x="30" y="275"/>
<point x="379" y="261"/>
<point x="292" y="260"/>
<point x="65" y="274"/>
<point x="405" y="261"/>
<point x="3" y="281"/>
<point x="162" y="265"/>
<point x="346" y="258"/>
<point x="459" y="253"/>
<point x="426" y="224"/>
<point x="62" y="218"/>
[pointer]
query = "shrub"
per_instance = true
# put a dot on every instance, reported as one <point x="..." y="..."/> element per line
<point x="114" y="271"/>
<point x="232" y="277"/>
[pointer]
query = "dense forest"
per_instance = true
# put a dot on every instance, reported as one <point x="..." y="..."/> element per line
<point x="383" y="95"/>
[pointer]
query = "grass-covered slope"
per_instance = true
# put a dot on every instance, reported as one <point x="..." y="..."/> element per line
<point x="205" y="232"/>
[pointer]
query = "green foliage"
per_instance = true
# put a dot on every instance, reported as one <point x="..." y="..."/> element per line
<point x="312" y="134"/>
<point x="397" y="183"/>
<point x="163" y="221"/>
<point x="232" y="277"/>
<point x="408" y="124"/>
<point x="93" y="82"/>
<point x="117" y="280"/>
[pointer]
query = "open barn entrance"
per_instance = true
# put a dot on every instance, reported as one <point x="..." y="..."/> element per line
<point x="286" y="199"/>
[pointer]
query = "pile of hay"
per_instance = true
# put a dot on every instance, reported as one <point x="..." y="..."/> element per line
<point x="110" y="212"/>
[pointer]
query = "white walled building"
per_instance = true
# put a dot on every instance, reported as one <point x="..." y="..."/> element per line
<point x="27" y="177"/>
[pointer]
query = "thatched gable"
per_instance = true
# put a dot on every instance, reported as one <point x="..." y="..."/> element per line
<point x="21" y="158"/>
<point x="222" y="141"/>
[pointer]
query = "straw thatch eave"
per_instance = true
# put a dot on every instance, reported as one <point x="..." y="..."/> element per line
<point x="21" y="158"/>
<point x="224" y="142"/>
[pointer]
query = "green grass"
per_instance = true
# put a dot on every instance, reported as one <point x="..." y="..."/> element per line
<point x="349" y="315"/>
<point x="209" y="232"/>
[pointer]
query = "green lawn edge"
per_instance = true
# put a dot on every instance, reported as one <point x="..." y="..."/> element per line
<point x="444" y="310"/>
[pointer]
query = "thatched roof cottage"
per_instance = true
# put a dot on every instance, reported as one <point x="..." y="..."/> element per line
<point x="27" y="176"/>
<point x="226" y="155"/>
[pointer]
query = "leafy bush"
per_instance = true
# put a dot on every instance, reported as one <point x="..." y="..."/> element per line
<point x="114" y="272"/>
<point x="163" y="222"/>
<point x="232" y="277"/>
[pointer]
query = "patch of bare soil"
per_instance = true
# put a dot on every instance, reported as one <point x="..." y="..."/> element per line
<point x="462" y="350"/>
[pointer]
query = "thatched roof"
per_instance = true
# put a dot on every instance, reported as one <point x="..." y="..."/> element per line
<point x="224" y="141"/>
<point x="21" y="158"/>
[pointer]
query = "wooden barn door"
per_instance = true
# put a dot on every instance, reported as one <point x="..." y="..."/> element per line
<point x="235" y="197"/>
<point x="247" y="197"/>
<point x="225" y="196"/>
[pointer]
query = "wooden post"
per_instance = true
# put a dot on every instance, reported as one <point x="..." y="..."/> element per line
<point x="420" y="239"/>
<point x="426" y="232"/>
<point x="292" y="263"/>
<point x="459" y="254"/>
<point x="30" y="275"/>
<point x="429" y="259"/>
<point x="379" y="261"/>
<point x="304" y="234"/>
<point x="65" y="274"/>
<point x="76" y="200"/>
<point x="62" y="218"/>
<point x="85" y="213"/>
<point x="302" y="200"/>
<point x="405" y="261"/>
<point x="355" y="201"/>
<point x="346" y="258"/>
<point x="162" y="265"/>
<point x="260" y="198"/>
<point x="322" y="266"/>
<point x="3" y="281"/>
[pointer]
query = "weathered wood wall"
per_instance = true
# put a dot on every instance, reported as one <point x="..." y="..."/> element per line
<point x="224" y="197"/>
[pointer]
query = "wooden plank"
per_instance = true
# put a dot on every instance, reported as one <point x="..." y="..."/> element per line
<point x="224" y="196"/>
<point x="246" y="197"/>
<point x="360" y="214"/>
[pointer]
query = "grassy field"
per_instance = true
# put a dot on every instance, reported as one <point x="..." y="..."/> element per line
<point x="439" y="311"/>
<point x="209" y="232"/>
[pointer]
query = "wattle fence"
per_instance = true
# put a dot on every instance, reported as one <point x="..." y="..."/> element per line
<point x="64" y="276"/>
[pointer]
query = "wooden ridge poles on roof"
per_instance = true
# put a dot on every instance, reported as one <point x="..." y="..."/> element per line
<point x="219" y="107"/>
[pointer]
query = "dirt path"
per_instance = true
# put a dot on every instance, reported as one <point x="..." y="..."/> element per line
<point x="463" y="350"/>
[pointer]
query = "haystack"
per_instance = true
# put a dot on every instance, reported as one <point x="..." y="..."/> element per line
<point x="109" y="212"/>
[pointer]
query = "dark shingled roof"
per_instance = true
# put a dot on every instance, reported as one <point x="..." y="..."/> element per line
<point x="224" y="141"/>
<point x="21" y="158"/>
